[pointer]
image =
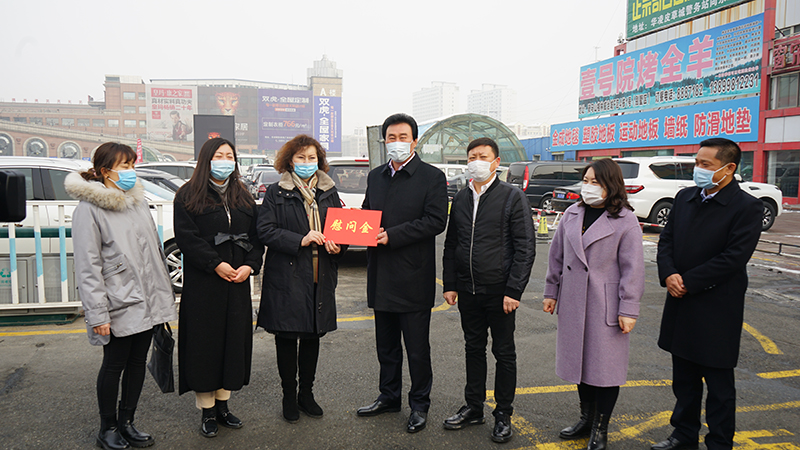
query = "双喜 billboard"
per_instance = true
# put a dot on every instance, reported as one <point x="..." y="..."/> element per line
<point x="282" y="115"/>
<point x="736" y="120"/>
<point x="242" y="103"/>
<point x="647" y="16"/>
<point x="718" y="63"/>
<point x="169" y="112"/>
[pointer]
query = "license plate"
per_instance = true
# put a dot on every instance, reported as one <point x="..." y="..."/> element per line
<point x="561" y="195"/>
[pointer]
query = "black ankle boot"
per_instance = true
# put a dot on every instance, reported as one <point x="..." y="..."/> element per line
<point x="307" y="404"/>
<point x="208" y="423"/>
<point x="584" y="425"/>
<point x="599" y="437"/>
<point x="225" y="417"/>
<point x="109" y="438"/>
<point x="134" y="437"/>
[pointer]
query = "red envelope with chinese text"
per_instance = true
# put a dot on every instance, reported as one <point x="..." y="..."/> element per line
<point x="352" y="226"/>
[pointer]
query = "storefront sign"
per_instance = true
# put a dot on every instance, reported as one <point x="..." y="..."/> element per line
<point x="282" y="115"/>
<point x="718" y="63"/>
<point x="736" y="120"/>
<point x="786" y="55"/>
<point x="647" y="16"/>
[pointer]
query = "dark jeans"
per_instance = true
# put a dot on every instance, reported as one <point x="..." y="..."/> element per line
<point x="604" y="397"/>
<point x="414" y="327"/>
<point x="687" y="385"/>
<point x="122" y="354"/>
<point x="479" y="313"/>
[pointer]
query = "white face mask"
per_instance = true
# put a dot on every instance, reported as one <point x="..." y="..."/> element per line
<point x="398" y="151"/>
<point x="592" y="194"/>
<point x="480" y="171"/>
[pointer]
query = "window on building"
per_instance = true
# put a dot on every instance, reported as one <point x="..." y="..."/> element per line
<point x="21" y="119"/>
<point x="141" y="96"/>
<point x="99" y="123"/>
<point x="129" y="109"/>
<point x="130" y="135"/>
<point x="143" y="110"/>
<point x="745" y="168"/>
<point x="783" y="168"/>
<point x="130" y="123"/>
<point x="129" y="95"/>
<point x="786" y="32"/>
<point x="142" y="124"/>
<point x="36" y="120"/>
<point x="53" y="122"/>
<point x="5" y="118"/>
<point x="84" y="123"/>
<point x="68" y="122"/>
<point x="113" y="123"/>
<point x="784" y="92"/>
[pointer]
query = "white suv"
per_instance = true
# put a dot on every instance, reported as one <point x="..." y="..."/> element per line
<point x="653" y="182"/>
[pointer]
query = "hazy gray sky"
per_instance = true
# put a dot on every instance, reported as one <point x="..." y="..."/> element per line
<point x="62" y="50"/>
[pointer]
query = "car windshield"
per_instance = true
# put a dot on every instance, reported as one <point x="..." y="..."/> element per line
<point x="158" y="191"/>
<point x="268" y="176"/>
<point x="350" y="179"/>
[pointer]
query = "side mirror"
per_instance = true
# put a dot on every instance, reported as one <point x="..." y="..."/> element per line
<point x="12" y="196"/>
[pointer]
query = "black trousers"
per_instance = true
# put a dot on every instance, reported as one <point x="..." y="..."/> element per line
<point x="479" y="313"/>
<point x="687" y="385"/>
<point x="126" y="357"/>
<point x="414" y="327"/>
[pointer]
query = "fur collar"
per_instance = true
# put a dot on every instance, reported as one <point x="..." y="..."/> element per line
<point x="98" y="194"/>
<point x="324" y="181"/>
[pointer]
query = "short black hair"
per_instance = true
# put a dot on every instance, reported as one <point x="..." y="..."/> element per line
<point x="400" y="118"/>
<point x="174" y="113"/>
<point x="484" y="141"/>
<point x="727" y="150"/>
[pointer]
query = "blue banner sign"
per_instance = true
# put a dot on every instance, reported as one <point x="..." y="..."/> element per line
<point x="736" y="120"/>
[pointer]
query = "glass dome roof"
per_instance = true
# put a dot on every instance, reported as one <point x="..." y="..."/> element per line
<point x="446" y="141"/>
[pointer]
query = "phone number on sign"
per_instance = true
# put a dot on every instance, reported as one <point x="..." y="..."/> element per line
<point x="732" y="84"/>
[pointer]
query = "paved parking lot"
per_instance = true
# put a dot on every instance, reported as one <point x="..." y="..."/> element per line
<point x="47" y="378"/>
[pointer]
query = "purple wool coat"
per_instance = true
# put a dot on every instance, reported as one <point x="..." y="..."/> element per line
<point x="595" y="278"/>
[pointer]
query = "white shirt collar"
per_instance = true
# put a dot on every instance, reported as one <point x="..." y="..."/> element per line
<point x="402" y="166"/>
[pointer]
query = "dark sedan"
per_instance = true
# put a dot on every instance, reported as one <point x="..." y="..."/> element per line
<point x="565" y="196"/>
<point x="160" y="178"/>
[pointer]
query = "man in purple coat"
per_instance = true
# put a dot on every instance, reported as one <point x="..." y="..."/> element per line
<point x="703" y="252"/>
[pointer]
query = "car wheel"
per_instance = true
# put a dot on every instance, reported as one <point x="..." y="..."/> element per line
<point x="547" y="203"/>
<point x="660" y="213"/>
<point x="769" y="216"/>
<point x="174" y="266"/>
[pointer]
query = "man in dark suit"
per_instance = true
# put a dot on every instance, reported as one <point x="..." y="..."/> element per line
<point x="703" y="251"/>
<point x="401" y="270"/>
<point x="488" y="255"/>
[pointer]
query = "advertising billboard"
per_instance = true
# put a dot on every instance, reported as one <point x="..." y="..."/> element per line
<point x="718" y="63"/>
<point x="736" y="120"/>
<point x="169" y="112"/>
<point x="648" y="16"/>
<point x="328" y="124"/>
<point x="212" y="126"/>
<point x="282" y="115"/>
<point x="241" y="103"/>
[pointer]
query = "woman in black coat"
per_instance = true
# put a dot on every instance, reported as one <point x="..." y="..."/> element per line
<point x="298" y="300"/>
<point x="215" y="228"/>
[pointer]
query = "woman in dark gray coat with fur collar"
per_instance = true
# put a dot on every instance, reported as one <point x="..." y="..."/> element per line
<point x="298" y="298"/>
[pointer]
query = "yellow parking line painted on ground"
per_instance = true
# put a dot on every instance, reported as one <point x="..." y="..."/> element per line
<point x="781" y="374"/>
<point x="43" y="333"/>
<point x="772" y="407"/>
<point x="522" y="426"/>
<point x="657" y="421"/>
<point x="765" y="342"/>
<point x="571" y="387"/>
<point x="443" y="307"/>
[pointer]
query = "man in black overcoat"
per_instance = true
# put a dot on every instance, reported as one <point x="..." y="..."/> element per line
<point x="703" y="251"/>
<point x="401" y="270"/>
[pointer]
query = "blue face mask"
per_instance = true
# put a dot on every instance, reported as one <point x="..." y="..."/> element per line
<point x="127" y="179"/>
<point x="305" y="170"/>
<point x="222" y="169"/>
<point x="704" y="178"/>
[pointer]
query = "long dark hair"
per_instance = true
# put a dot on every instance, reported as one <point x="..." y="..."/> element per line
<point x="106" y="157"/>
<point x="196" y="190"/>
<point x="609" y="175"/>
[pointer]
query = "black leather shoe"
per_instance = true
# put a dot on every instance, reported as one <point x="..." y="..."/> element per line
<point x="225" y="417"/>
<point x="134" y="437"/>
<point x="417" y="421"/>
<point x="110" y="439"/>
<point x="208" y="424"/>
<point x="673" y="444"/>
<point x="464" y="417"/>
<point x="502" y="428"/>
<point x="584" y="425"/>
<point x="378" y="407"/>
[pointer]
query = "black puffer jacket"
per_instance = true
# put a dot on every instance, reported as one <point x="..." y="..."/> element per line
<point x="494" y="255"/>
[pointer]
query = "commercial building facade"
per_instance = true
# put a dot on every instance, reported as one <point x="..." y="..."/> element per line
<point x="437" y="101"/>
